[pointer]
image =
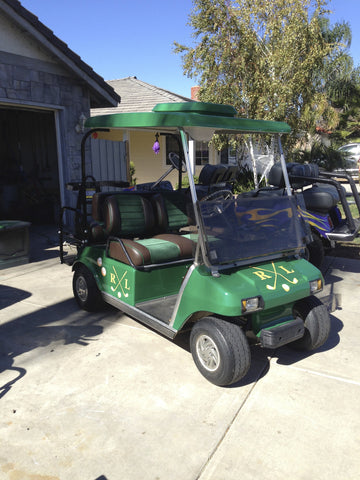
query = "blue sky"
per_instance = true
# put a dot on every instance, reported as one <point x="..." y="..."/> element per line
<point x="121" y="38"/>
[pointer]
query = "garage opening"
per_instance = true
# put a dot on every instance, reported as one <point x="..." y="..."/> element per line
<point x="29" y="178"/>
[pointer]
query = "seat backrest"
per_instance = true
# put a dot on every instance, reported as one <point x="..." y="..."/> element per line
<point x="230" y="174"/>
<point x="321" y="198"/>
<point x="98" y="201"/>
<point x="173" y="210"/>
<point x="276" y="176"/>
<point x="302" y="170"/>
<point x="129" y="214"/>
<point x="211" y="174"/>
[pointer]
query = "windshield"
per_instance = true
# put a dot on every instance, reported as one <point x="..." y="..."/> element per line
<point x="243" y="229"/>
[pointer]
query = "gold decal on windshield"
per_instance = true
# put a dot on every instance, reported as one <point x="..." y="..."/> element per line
<point x="277" y="276"/>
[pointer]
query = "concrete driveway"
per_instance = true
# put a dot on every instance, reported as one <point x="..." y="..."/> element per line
<point x="99" y="396"/>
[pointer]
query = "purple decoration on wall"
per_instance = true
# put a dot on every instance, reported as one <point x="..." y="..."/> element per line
<point x="156" y="147"/>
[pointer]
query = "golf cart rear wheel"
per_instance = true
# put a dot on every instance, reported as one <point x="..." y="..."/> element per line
<point x="317" y="323"/>
<point x="220" y="350"/>
<point x="85" y="290"/>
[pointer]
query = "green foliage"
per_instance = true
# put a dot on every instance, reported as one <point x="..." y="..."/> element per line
<point x="262" y="57"/>
<point x="326" y="157"/>
<point x="245" y="180"/>
<point x="185" y="182"/>
<point x="132" y="173"/>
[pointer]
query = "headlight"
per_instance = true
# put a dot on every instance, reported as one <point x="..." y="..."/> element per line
<point x="316" y="286"/>
<point x="251" y="304"/>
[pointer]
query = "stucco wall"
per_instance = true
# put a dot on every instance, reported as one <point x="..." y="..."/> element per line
<point x="14" y="40"/>
<point x="149" y="166"/>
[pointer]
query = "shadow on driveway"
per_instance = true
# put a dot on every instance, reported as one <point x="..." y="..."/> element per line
<point x="59" y="324"/>
<point x="11" y="295"/>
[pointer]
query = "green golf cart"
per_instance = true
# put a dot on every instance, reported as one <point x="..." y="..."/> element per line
<point x="228" y="269"/>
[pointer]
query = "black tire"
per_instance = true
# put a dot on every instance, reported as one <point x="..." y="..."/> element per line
<point x="220" y="350"/>
<point x="317" y="323"/>
<point x="315" y="251"/>
<point x="86" y="291"/>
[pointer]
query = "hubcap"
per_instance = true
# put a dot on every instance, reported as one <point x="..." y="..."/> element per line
<point x="208" y="353"/>
<point x="81" y="289"/>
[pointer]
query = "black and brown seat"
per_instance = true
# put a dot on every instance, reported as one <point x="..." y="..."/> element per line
<point x="97" y="226"/>
<point x="131" y="226"/>
<point x="173" y="211"/>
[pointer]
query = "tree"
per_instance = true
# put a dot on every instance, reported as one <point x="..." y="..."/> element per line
<point x="341" y="81"/>
<point x="262" y="57"/>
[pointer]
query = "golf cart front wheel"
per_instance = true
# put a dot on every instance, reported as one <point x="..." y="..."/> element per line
<point x="220" y="350"/>
<point x="317" y="323"/>
<point x="85" y="290"/>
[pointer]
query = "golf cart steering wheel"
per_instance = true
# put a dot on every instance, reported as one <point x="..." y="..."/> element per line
<point x="175" y="162"/>
<point x="216" y="208"/>
<point x="218" y="195"/>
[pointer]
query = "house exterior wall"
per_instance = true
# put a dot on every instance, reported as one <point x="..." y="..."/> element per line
<point x="12" y="41"/>
<point x="149" y="166"/>
<point x="27" y="82"/>
<point x="31" y="78"/>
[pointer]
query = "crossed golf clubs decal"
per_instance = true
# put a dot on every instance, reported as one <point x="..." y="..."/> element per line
<point x="121" y="282"/>
<point x="267" y="274"/>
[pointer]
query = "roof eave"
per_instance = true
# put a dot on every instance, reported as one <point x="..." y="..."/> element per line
<point x="104" y="94"/>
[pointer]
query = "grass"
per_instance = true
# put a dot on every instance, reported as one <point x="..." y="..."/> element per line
<point x="355" y="213"/>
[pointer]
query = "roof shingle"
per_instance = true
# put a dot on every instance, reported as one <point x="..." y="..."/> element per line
<point x="138" y="96"/>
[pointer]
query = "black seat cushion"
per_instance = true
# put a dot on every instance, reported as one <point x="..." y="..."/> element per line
<point x="321" y="198"/>
<point x="302" y="170"/>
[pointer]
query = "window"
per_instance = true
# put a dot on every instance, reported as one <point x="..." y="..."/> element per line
<point x="172" y="145"/>
<point x="202" y="153"/>
<point x="229" y="156"/>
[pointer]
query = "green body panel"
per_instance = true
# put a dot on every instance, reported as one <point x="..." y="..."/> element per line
<point x="127" y="284"/>
<point x="220" y="118"/>
<point x="279" y="283"/>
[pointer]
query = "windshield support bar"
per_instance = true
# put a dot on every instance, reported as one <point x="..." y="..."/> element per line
<point x="185" y="147"/>
<point x="198" y="219"/>
<point x="283" y="166"/>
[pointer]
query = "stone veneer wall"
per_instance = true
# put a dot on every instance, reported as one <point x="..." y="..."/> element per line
<point x="32" y="82"/>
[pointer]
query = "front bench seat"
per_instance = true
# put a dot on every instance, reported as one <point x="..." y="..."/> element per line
<point x="129" y="216"/>
<point x="150" y="251"/>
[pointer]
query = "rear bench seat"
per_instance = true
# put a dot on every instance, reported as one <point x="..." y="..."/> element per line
<point x="318" y="196"/>
<point x="142" y="229"/>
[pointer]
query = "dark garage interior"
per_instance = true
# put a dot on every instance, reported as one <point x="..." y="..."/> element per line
<point x="29" y="177"/>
